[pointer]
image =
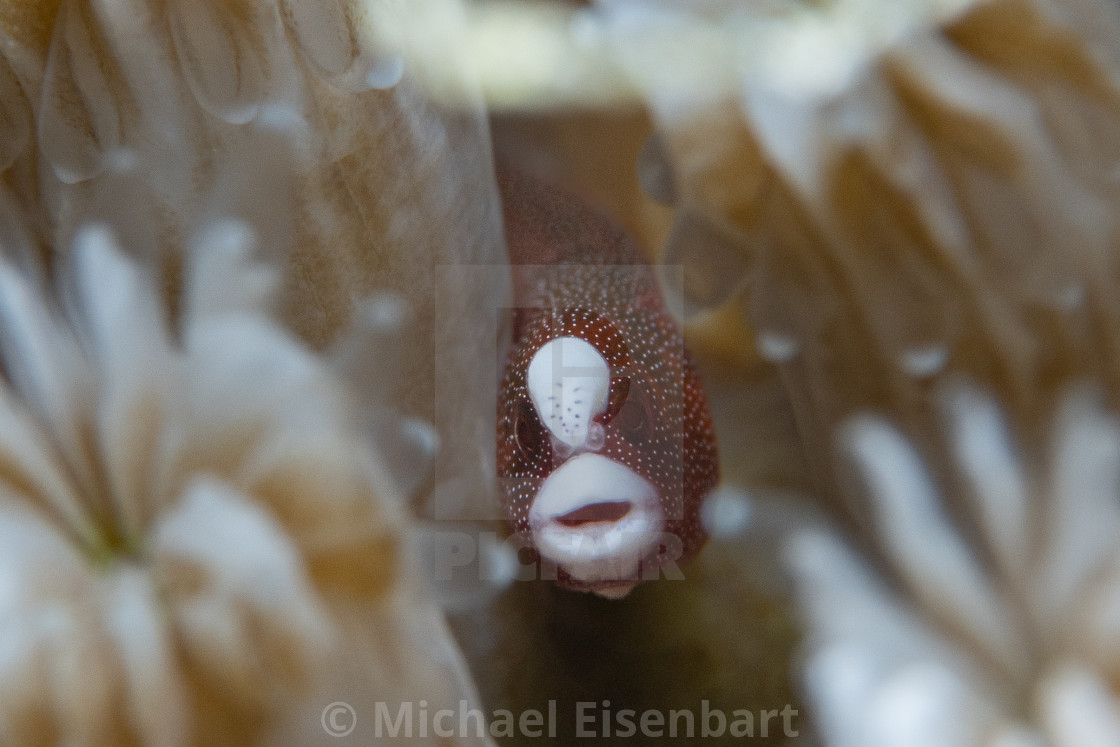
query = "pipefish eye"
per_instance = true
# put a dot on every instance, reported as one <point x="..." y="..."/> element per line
<point x="620" y="392"/>
<point x="527" y="431"/>
<point x="635" y="419"/>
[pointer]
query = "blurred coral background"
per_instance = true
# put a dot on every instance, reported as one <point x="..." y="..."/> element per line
<point x="243" y="408"/>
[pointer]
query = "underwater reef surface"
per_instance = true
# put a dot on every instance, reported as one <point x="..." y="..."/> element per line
<point x="247" y="374"/>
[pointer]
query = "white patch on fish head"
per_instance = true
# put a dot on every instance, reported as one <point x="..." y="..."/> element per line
<point x="569" y="384"/>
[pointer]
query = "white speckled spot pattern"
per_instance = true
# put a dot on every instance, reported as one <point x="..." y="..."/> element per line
<point x="579" y="277"/>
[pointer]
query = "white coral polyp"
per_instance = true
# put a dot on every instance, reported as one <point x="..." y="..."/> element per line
<point x="1005" y="635"/>
<point x="176" y="519"/>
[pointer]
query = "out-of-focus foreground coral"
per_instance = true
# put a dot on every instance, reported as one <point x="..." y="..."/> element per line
<point x="375" y="186"/>
<point x="198" y="545"/>
<point x="206" y="538"/>
<point x="896" y="197"/>
<point x="935" y="202"/>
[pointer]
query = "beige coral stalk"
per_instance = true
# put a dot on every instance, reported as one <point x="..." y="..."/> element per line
<point x="198" y="544"/>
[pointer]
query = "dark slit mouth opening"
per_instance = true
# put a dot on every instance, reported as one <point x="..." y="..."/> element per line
<point x="608" y="511"/>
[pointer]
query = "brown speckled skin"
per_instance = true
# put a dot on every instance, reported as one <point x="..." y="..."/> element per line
<point x="599" y="287"/>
